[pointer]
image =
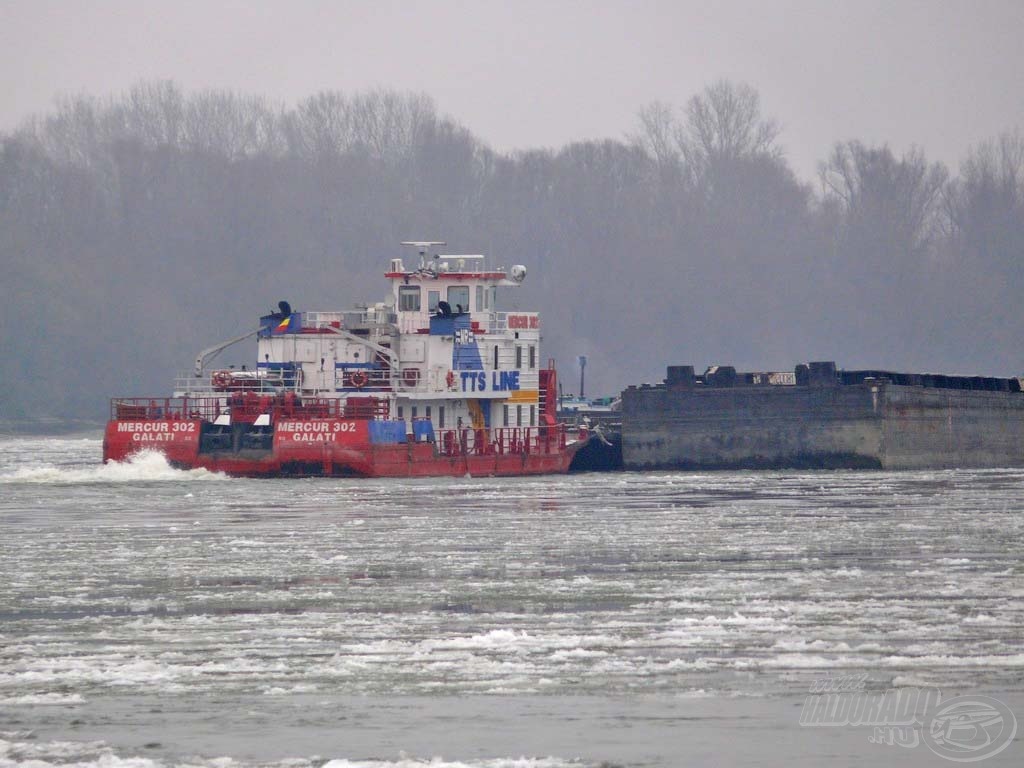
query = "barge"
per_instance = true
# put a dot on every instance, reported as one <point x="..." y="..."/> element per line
<point x="817" y="416"/>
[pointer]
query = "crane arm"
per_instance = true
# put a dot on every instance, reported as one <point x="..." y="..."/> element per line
<point x="209" y="352"/>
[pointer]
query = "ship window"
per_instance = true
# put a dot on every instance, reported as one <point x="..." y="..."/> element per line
<point x="408" y="298"/>
<point x="495" y="366"/>
<point x="440" y="416"/>
<point x="519" y="415"/>
<point x="479" y="298"/>
<point x="433" y="297"/>
<point x="400" y="412"/>
<point x="458" y="296"/>
<point x="414" y="413"/>
<point x="533" y="415"/>
<point x="505" y="417"/>
<point x="493" y="291"/>
<point x="533" y="356"/>
<point x="519" y="356"/>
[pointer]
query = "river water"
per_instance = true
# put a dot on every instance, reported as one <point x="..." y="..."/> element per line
<point x="155" y="617"/>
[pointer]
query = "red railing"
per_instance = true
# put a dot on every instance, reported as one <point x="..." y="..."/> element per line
<point x="507" y="440"/>
<point x="247" y="406"/>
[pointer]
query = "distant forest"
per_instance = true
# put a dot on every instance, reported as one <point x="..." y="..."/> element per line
<point x="136" y="230"/>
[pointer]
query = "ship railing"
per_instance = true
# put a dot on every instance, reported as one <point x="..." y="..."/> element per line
<point x="469" y="441"/>
<point x="241" y="381"/>
<point x="482" y="322"/>
<point x="362" y="378"/>
<point x="414" y="378"/>
<point x="368" y="408"/>
<point x="248" y="406"/>
<point x="323" y="319"/>
<point x="173" y="408"/>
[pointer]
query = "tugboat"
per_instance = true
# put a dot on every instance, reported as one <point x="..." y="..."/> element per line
<point x="433" y="381"/>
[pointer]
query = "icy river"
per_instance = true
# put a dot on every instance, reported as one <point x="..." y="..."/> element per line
<point x="155" y="617"/>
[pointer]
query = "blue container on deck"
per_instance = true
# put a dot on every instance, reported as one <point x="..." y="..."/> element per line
<point x="387" y="432"/>
<point x="423" y="431"/>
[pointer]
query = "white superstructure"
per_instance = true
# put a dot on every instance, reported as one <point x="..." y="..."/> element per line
<point x="437" y="349"/>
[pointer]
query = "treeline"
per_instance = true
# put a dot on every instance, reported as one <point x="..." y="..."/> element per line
<point x="136" y="230"/>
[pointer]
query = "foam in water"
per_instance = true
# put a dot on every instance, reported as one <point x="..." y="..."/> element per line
<point x="15" y="752"/>
<point x="145" y="466"/>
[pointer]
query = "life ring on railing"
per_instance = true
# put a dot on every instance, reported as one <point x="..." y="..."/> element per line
<point x="450" y="379"/>
<point x="411" y="376"/>
<point x="221" y="380"/>
<point x="359" y="379"/>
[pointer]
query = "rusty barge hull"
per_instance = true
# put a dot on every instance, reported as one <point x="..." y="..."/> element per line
<point x="825" y="419"/>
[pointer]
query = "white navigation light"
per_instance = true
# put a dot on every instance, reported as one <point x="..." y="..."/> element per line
<point x="518" y="273"/>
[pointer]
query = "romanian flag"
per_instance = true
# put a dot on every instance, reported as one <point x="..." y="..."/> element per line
<point x="282" y="327"/>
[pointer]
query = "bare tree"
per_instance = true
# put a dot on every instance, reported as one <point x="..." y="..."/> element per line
<point x="989" y="194"/>
<point x="153" y="113"/>
<point x="319" y="126"/>
<point x="658" y="132"/>
<point x="725" y="123"/>
<point x="232" y="125"/>
<point x="889" y="205"/>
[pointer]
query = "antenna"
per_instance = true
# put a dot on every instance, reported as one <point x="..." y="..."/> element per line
<point x="421" y="246"/>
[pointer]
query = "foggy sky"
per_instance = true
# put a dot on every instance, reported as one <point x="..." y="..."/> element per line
<point x="941" y="75"/>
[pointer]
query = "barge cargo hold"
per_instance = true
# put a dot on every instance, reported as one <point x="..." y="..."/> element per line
<point x="820" y="417"/>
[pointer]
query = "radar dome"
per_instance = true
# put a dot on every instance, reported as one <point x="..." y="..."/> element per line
<point x="518" y="272"/>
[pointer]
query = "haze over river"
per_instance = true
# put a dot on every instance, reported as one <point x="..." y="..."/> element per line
<point x="153" y="617"/>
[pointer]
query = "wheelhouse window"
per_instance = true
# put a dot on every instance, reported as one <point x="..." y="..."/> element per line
<point x="433" y="297"/>
<point x="479" y="298"/>
<point x="408" y="298"/>
<point x="458" y="296"/>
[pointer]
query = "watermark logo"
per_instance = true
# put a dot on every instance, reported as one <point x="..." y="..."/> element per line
<point x="969" y="728"/>
<point x="963" y="729"/>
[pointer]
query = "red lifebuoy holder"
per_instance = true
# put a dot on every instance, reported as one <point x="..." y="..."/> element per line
<point x="411" y="376"/>
<point x="222" y="380"/>
<point x="359" y="379"/>
<point x="450" y="378"/>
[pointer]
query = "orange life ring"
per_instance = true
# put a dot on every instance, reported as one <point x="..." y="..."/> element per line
<point x="221" y="380"/>
<point x="359" y="379"/>
<point x="450" y="378"/>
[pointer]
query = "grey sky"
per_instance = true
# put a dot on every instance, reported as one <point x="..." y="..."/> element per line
<point x="943" y="75"/>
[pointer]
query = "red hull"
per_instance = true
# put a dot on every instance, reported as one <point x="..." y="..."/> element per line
<point x="340" y="451"/>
